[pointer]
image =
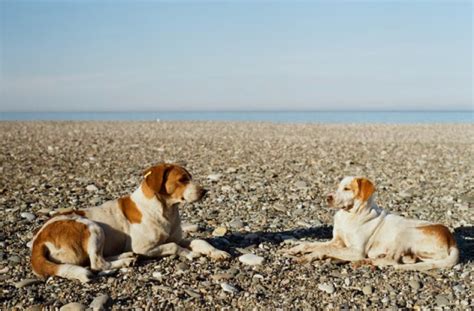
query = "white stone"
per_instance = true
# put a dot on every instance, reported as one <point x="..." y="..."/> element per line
<point x="28" y="216"/>
<point x="251" y="259"/>
<point x="186" y="227"/>
<point x="214" y="177"/>
<point x="91" y="188"/>
<point x="157" y="275"/>
<point x="229" y="288"/>
<point x="327" y="287"/>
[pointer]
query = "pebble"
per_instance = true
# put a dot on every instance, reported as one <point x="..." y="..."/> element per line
<point x="187" y="227"/>
<point x="14" y="260"/>
<point x="100" y="302"/>
<point x="91" y="188"/>
<point x="236" y="224"/>
<point x="229" y="288"/>
<point x="368" y="290"/>
<point x="4" y="270"/>
<point x="442" y="300"/>
<point x="157" y="275"/>
<point x="416" y="285"/>
<point x="28" y="216"/>
<point x="214" y="177"/>
<point x="251" y="259"/>
<point x="182" y="266"/>
<point x="458" y="288"/>
<point x="27" y="282"/>
<point x="192" y="293"/>
<point x="226" y="188"/>
<point x="73" y="306"/>
<point x="219" y="231"/>
<point x="327" y="287"/>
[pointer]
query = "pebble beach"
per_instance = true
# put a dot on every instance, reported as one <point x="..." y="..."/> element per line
<point x="267" y="185"/>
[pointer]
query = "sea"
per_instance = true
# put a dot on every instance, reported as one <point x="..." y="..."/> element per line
<point x="402" y="117"/>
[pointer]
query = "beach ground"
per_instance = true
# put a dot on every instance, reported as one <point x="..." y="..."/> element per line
<point x="267" y="187"/>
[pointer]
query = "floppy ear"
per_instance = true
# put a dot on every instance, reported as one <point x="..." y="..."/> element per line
<point x="363" y="188"/>
<point x="155" y="177"/>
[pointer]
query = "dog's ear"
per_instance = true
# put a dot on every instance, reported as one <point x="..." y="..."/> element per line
<point x="363" y="188"/>
<point x="155" y="177"/>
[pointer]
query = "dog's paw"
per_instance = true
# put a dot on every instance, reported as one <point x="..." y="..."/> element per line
<point x="127" y="262"/>
<point x="309" y="258"/>
<point x="126" y="255"/>
<point x="298" y="249"/>
<point x="192" y="255"/>
<point x="219" y="255"/>
<point x="86" y="277"/>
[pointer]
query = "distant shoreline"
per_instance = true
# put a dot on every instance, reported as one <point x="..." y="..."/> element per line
<point x="325" y="117"/>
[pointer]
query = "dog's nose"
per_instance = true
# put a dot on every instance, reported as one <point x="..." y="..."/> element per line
<point x="330" y="198"/>
<point x="203" y="192"/>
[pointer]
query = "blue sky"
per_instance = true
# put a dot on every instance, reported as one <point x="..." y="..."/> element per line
<point x="235" y="55"/>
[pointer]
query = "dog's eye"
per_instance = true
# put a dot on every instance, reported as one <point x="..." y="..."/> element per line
<point x="347" y="189"/>
<point x="184" y="179"/>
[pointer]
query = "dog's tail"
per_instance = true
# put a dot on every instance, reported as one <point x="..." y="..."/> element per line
<point x="43" y="267"/>
<point x="447" y="262"/>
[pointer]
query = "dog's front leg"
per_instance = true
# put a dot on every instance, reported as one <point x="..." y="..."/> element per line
<point x="167" y="249"/>
<point x="203" y="247"/>
<point x="308" y="247"/>
<point x="336" y="252"/>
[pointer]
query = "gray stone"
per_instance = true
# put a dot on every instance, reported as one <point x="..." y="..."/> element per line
<point x="441" y="300"/>
<point x="100" y="302"/>
<point x="73" y="306"/>
<point x="182" y="266"/>
<point x="192" y="293"/>
<point x="14" y="260"/>
<point x="416" y="285"/>
<point x="236" y="224"/>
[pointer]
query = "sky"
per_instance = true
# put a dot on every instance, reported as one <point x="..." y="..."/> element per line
<point x="235" y="55"/>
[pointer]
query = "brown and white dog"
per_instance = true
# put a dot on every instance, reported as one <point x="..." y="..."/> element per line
<point x="365" y="232"/>
<point x="146" y="223"/>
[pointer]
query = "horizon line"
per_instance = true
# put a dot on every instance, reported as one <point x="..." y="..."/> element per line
<point x="233" y="111"/>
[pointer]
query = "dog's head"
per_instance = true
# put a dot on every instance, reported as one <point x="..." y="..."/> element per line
<point x="172" y="183"/>
<point x="351" y="191"/>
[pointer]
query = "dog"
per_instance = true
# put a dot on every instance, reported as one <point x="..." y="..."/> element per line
<point x="106" y="237"/>
<point x="366" y="233"/>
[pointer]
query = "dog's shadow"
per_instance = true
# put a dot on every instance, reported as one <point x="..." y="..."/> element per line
<point x="235" y="242"/>
<point x="465" y="239"/>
